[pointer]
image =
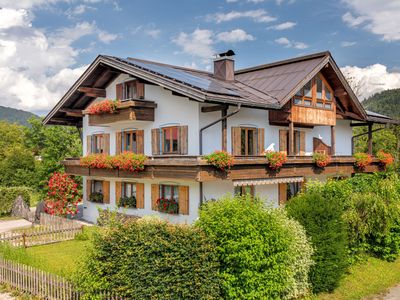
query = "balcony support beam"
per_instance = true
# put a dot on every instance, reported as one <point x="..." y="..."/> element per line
<point x="333" y="140"/>
<point x="370" y="138"/>
<point x="291" y="139"/>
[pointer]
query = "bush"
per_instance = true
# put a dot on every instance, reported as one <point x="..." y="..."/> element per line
<point x="258" y="251"/>
<point x="321" y="216"/>
<point x="9" y="194"/>
<point x="151" y="259"/>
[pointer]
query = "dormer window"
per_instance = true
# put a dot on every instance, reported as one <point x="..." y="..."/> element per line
<point x="315" y="93"/>
<point x="132" y="89"/>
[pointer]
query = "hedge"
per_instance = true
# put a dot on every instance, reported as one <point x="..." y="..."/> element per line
<point x="151" y="259"/>
<point x="259" y="249"/>
<point x="9" y="194"/>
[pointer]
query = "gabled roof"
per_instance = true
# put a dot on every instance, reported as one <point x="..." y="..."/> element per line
<point x="268" y="86"/>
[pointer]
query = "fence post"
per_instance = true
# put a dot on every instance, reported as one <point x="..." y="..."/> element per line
<point x="24" y="239"/>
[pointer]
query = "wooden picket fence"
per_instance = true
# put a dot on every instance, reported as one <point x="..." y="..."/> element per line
<point x="52" y="229"/>
<point x="42" y="284"/>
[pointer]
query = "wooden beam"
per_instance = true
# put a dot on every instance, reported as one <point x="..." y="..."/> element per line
<point x="291" y="139"/>
<point x="340" y="92"/>
<point x="333" y="140"/>
<point x="92" y="92"/>
<point x="206" y="109"/>
<point x="370" y="138"/>
<point x="224" y="122"/>
<point x="358" y="124"/>
<point x="71" y="112"/>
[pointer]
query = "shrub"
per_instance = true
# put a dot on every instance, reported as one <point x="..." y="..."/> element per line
<point x="321" y="216"/>
<point x="169" y="206"/>
<point x="97" y="161"/>
<point x="151" y="259"/>
<point x="275" y="159"/>
<point x="103" y="107"/>
<point x="9" y="194"/>
<point x="362" y="160"/>
<point x="385" y="159"/>
<point x="129" y="161"/>
<point x="255" y="248"/>
<point x="62" y="195"/>
<point x="321" y="159"/>
<point x="220" y="159"/>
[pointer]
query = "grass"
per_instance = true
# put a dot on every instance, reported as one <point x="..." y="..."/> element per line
<point x="58" y="258"/>
<point x="368" y="278"/>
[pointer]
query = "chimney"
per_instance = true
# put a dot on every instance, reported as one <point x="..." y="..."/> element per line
<point x="224" y="66"/>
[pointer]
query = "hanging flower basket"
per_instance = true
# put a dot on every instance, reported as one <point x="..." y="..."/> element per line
<point x="169" y="206"/>
<point x="103" y="107"/>
<point x="385" y="159"/>
<point x="362" y="160"/>
<point x="220" y="159"/>
<point x="321" y="159"/>
<point x="275" y="159"/>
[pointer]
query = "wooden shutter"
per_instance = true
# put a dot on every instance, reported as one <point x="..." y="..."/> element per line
<point x="118" y="191"/>
<point x="236" y="141"/>
<point x="118" y="143"/>
<point x="139" y="90"/>
<point x="140" y="141"/>
<point x="282" y="193"/>
<point x="155" y="141"/>
<point x="260" y="141"/>
<point x="183" y="140"/>
<point x="139" y="195"/>
<point x="283" y="135"/>
<point x="88" y="189"/>
<point x="88" y="144"/>
<point x="184" y="200"/>
<point x="106" y="192"/>
<point x="106" y="140"/>
<point x="155" y="194"/>
<point x="119" y="91"/>
<point x="302" y="139"/>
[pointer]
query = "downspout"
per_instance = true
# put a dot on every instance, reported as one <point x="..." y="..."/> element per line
<point x="361" y="134"/>
<point x="201" y="140"/>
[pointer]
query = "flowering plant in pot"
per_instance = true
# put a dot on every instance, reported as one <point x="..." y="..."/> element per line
<point x="321" y="159"/>
<point x="129" y="161"/>
<point x="96" y="197"/>
<point x="362" y="160"/>
<point x="97" y="161"/>
<point x="63" y="195"/>
<point x="385" y="159"/>
<point x="275" y="159"/>
<point x="169" y="206"/>
<point x="103" y="107"/>
<point x="220" y="159"/>
<point x="127" y="202"/>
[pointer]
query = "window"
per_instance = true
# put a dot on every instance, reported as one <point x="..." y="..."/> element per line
<point x="170" y="140"/>
<point x="98" y="143"/>
<point x="96" y="191"/>
<point x="129" y="91"/>
<point x="316" y="93"/>
<point x="299" y="142"/>
<point x="128" y="189"/>
<point x="293" y="188"/>
<point x="129" y="141"/>
<point x="244" y="190"/>
<point x="248" y="141"/>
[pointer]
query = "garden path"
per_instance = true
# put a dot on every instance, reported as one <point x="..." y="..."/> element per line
<point x="8" y="225"/>
<point x="391" y="294"/>
<point x="5" y="296"/>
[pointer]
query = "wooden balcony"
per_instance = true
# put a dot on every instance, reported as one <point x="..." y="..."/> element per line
<point x="195" y="168"/>
<point x="129" y="110"/>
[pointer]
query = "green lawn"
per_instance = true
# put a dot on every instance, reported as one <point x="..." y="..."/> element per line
<point x="58" y="258"/>
<point x="365" y="279"/>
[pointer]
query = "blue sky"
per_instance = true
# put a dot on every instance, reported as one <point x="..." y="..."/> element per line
<point x="45" y="45"/>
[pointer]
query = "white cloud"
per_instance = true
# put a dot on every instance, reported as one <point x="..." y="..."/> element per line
<point x="106" y="37"/>
<point x="198" y="43"/>
<point x="13" y="18"/>
<point x="378" y="17"/>
<point x="371" y="79"/>
<point x="258" y="15"/>
<point x="291" y="44"/>
<point x="154" y="33"/>
<point x="236" y="35"/>
<point x="283" y="26"/>
<point x="347" y="44"/>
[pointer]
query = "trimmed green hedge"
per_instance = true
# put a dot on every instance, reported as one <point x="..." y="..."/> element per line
<point x="9" y="194"/>
<point x="151" y="259"/>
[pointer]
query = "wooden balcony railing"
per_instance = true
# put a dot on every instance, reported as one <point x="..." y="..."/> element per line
<point x="249" y="167"/>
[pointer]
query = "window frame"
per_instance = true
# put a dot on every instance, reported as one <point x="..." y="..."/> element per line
<point x="171" y="145"/>
<point x="126" y="85"/>
<point x="299" y="99"/>
<point x="246" y="139"/>
<point x="133" y="189"/>
<point x="123" y="141"/>
<point x="172" y="188"/>
<point x="95" y="142"/>
<point x="240" y="190"/>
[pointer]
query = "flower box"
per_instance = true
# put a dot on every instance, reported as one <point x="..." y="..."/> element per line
<point x="168" y="206"/>
<point x="127" y="202"/>
<point x="362" y="161"/>
<point x="321" y="159"/>
<point x="220" y="159"/>
<point x="275" y="159"/>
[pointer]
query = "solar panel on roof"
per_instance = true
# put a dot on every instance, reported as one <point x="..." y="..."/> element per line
<point x="184" y="77"/>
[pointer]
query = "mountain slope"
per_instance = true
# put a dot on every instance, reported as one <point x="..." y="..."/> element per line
<point x="386" y="103"/>
<point x="13" y="115"/>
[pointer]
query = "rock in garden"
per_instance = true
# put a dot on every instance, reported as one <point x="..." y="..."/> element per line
<point x="40" y="208"/>
<point x="20" y="208"/>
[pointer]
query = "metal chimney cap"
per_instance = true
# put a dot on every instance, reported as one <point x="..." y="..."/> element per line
<point x="227" y="53"/>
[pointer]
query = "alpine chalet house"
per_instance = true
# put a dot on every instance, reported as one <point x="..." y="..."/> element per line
<point x="176" y="115"/>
